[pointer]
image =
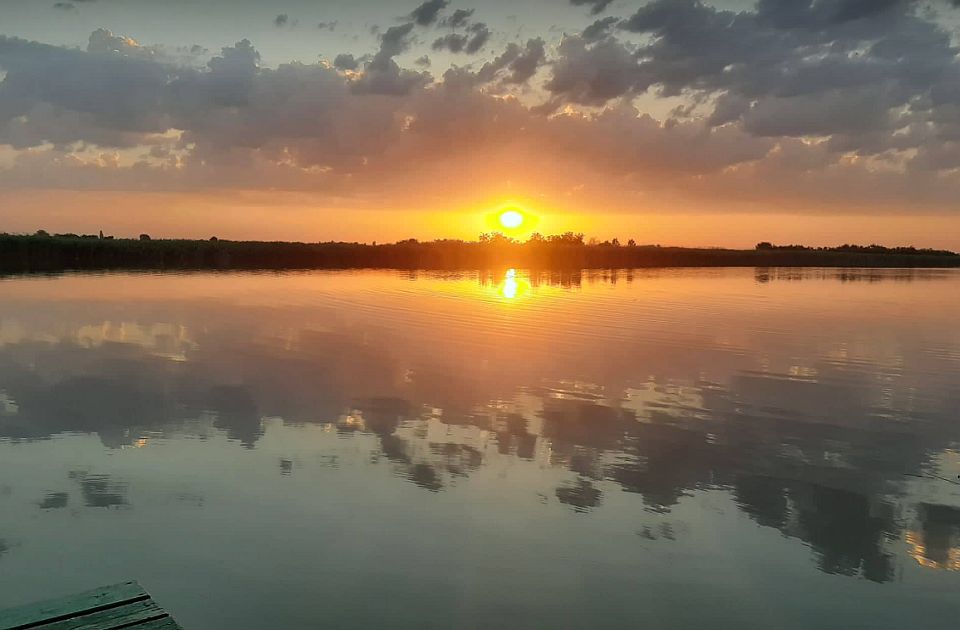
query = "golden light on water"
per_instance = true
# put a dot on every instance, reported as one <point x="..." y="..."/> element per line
<point x="948" y="559"/>
<point x="510" y="284"/>
<point x="513" y="287"/>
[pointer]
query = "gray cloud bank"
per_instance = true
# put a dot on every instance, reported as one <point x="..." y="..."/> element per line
<point x="824" y="102"/>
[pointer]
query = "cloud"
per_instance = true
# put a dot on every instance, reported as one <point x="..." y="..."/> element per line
<point x="599" y="29"/>
<point x="470" y="42"/>
<point x="525" y="65"/>
<point x="596" y="6"/>
<point x="426" y="14"/>
<point x="102" y="41"/>
<point x="230" y="80"/>
<point x="328" y="26"/>
<point x="521" y="62"/>
<point x="461" y="17"/>
<point x="382" y="75"/>
<point x="346" y="61"/>
<point x="824" y="13"/>
<point x="115" y="85"/>
<point x="854" y="70"/>
<point x="453" y="42"/>
<point x="592" y="74"/>
<point x="395" y="40"/>
<point x="860" y="110"/>
<point x="236" y="117"/>
<point x="65" y="6"/>
<point x="281" y="20"/>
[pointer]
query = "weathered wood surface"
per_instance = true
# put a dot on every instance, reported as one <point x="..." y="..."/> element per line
<point x="124" y="605"/>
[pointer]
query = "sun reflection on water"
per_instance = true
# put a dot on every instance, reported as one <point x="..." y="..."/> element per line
<point x="513" y="287"/>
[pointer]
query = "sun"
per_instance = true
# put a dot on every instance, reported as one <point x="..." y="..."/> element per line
<point x="511" y="219"/>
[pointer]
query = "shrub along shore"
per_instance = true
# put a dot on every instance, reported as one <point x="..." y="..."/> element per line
<point x="44" y="253"/>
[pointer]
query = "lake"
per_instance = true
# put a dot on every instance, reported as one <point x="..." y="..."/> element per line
<point x="723" y="448"/>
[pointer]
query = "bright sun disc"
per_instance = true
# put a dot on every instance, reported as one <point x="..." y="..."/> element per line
<point x="511" y="219"/>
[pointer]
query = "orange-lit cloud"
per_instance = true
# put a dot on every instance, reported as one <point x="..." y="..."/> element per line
<point x="762" y="127"/>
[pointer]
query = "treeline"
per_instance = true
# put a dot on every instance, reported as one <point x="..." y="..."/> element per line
<point x="857" y="249"/>
<point x="45" y="253"/>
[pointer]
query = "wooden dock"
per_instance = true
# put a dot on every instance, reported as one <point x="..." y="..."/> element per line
<point x="124" y="605"/>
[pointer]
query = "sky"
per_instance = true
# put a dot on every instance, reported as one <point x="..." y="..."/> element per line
<point x="670" y="121"/>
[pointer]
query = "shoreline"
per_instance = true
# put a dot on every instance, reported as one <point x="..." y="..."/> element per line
<point x="40" y="254"/>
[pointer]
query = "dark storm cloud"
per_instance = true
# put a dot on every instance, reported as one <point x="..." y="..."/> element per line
<point x="846" y="68"/>
<point x="426" y="14"/>
<point x="345" y="61"/>
<point x="382" y="75"/>
<point x="596" y="6"/>
<point x="516" y="65"/>
<point x="470" y="42"/>
<point x="599" y="29"/>
<point x="593" y="74"/>
<point x="823" y="13"/>
<point x="783" y="46"/>
<point x="460" y="17"/>
<point x="115" y="92"/>
<point x="527" y="62"/>
<point x="395" y="40"/>
<point x="521" y="62"/>
<point x="453" y="42"/>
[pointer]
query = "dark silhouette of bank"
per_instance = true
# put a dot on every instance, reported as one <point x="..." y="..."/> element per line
<point x="42" y="252"/>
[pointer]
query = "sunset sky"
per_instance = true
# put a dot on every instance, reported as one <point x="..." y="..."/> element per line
<point x="672" y="121"/>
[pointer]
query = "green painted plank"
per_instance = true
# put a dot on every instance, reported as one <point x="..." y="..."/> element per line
<point x="160" y="624"/>
<point x="33" y="615"/>
<point x="125" y="616"/>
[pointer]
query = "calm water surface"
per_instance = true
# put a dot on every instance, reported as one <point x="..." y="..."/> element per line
<point x="669" y="449"/>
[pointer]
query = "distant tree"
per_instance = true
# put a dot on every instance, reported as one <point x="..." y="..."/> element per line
<point x="764" y="245"/>
<point x="101" y="233"/>
<point x="214" y="239"/>
<point x="567" y="238"/>
<point x="631" y="243"/>
<point x="536" y="237"/>
<point x="144" y="237"/>
<point x="615" y="242"/>
<point x="593" y="241"/>
<point x="42" y="233"/>
<point x="495" y="238"/>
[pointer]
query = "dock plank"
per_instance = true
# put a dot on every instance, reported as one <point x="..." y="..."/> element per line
<point x="125" y="605"/>
<point x="130" y="615"/>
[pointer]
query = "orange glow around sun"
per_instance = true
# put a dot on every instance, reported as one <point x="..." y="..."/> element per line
<point x="511" y="218"/>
